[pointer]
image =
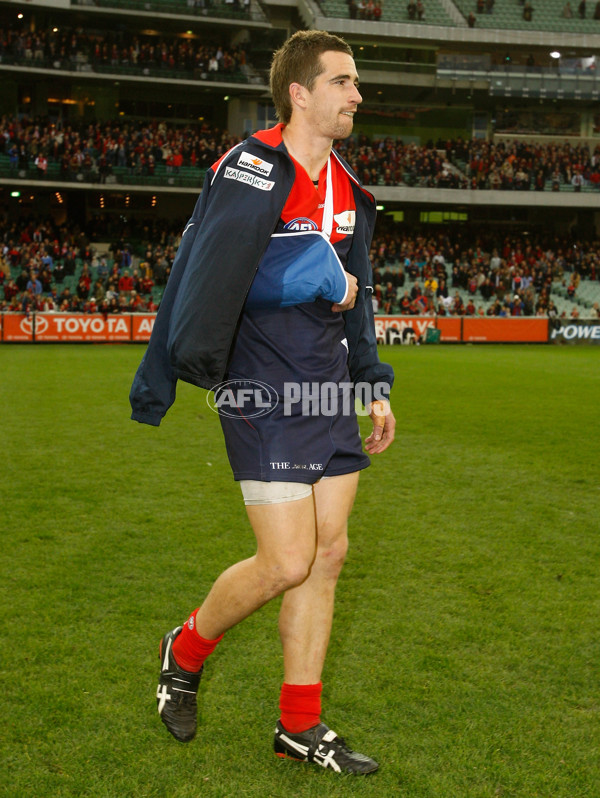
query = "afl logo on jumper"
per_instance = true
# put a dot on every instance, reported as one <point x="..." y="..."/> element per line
<point x="256" y="164"/>
<point x="345" y="222"/>
<point x="300" y="224"/>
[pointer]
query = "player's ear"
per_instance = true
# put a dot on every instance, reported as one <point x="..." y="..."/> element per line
<point x="298" y="95"/>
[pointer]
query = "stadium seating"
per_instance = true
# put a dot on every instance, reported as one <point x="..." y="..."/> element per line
<point x="547" y="16"/>
<point x="395" y="11"/>
<point x="506" y="14"/>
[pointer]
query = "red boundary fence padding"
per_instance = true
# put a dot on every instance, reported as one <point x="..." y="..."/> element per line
<point x="389" y="329"/>
<point x="136" y="327"/>
<point x="77" y="327"/>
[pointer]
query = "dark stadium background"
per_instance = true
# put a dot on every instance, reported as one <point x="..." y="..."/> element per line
<point x="439" y="86"/>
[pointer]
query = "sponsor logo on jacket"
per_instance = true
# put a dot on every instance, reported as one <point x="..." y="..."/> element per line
<point x="256" y="164"/>
<point x="245" y="177"/>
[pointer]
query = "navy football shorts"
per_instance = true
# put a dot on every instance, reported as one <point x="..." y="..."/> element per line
<point x="292" y="448"/>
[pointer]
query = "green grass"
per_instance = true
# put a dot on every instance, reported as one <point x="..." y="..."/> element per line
<point x="465" y="648"/>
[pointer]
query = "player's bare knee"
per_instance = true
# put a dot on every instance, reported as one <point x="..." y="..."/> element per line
<point x="331" y="557"/>
<point x="281" y="576"/>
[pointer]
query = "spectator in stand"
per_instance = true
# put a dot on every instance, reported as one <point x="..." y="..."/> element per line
<point x="471" y="20"/>
<point x="41" y="163"/>
<point x="126" y="283"/>
<point x="389" y="298"/>
<point x="13" y="158"/>
<point x="420" y="10"/>
<point x="458" y="307"/>
<point x="516" y="306"/>
<point x="22" y="280"/>
<point x="65" y="299"/>
<point x="136" y="305"/>
<point x="146" y="284"/>
<point x="33" y="284"/>
<point x="83" y="287"/>
<point x="567" y="12"/>
<point x="411" y="9"/>
<point x="10" y="290"/>
<point x="369" y="7"/>
<point x="581" y="8"/>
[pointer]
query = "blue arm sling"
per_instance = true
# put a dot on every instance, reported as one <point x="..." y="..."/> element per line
<point x="297" y="268"/>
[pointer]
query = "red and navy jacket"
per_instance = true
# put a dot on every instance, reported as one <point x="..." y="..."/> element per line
<point x="221" y="247"/>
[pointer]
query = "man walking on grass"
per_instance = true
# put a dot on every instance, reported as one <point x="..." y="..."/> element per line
<point x="272" y="284"/>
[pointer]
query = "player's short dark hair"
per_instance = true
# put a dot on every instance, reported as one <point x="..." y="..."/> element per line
<point x="298" y="60"/>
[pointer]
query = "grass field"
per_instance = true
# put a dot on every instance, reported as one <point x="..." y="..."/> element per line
<point x="465" y="651"/>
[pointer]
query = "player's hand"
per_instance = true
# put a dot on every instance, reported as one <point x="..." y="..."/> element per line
<point x="384" y="427"/>
<point x="350" y="297"/>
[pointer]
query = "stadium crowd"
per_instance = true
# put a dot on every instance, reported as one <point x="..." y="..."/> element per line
<point x="96" y="148"/>
<point x="390" y="162"/>
<point x="49" y="267"/>
<point x="91" y="150"/>
<point x="431" y="274"/>
<point x="74" y="48"/>
<point x="365" y="9"/>
<point x="52" y="268"/>
<point x="475" y="164"/>
<point x="524" y="165"/>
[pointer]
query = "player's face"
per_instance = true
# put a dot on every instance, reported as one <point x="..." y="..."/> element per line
<point x="334" y="98"/>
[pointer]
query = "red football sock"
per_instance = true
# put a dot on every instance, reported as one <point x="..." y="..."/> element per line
<point x="190" y="649"/>
<point x="300" y="706"/>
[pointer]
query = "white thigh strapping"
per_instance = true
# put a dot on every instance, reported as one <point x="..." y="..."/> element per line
<point x="256" y="492"/>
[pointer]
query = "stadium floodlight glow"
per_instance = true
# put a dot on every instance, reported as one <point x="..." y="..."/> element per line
<point x="554" y="54"/>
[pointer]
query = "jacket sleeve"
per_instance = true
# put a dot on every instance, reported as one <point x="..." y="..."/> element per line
<point x="363" y="361"/>
<point x="211" y="274"/>
<point x="236" y="227"/>
<point x="153" y="389"/>
<point x="364" y="364"/>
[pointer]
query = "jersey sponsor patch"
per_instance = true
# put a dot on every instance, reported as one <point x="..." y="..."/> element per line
<point x="252" y="180"/>
<point x="255" y="163"/>
<point x="346" y="220"/>
<point x="300" y="224"/>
